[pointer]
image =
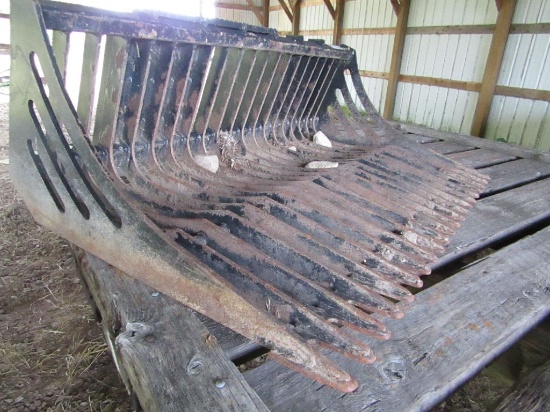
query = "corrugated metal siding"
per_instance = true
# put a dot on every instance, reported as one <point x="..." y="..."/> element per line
<point x="454" y="57"/>
<point x="526" y="65"/>
<point x="373" y="50"/>
<point x="458" y="57"/>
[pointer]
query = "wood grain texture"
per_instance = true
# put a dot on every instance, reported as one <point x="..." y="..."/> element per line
<point x="532" y="393"/>
<point x="492" y="67"/>
<point x="513" y="150"/>
<point x="452" y="330"/>
<point x="163" y="352"/>
<point x="396" y="57"/>
<point x="481" y="158"/>
<point x="497" y="217"/>
<point x="511" y="174"/>
<point x="446" y="148"/>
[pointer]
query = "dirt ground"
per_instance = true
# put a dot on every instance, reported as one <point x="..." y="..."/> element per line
<point x="52" y="353"/>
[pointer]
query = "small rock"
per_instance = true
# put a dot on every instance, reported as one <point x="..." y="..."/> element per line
<point x="321" y="139"/>
<point x="292" y="148"/>
<point x="17" y="400"/>
<point x="208" y="162"/>
<point x="321" y="164"/>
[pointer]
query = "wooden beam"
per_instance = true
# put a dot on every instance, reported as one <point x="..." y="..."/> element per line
<point x="265" y="13"/>
<point x="397" y="54"/>
<point x="338" y="21"/>
<point x="395" y="5"/>
<point x="492" y="67"/>
<point x="330" y="8"/>
<point x="286" y="9"/>
<point x="499" y="4"/>
<point x="256" y="10"/>
<point x="523" y="93"/>
<point x="296" y="17"/>
<point x="453" y="29"/>
<point x="434" y="81"/>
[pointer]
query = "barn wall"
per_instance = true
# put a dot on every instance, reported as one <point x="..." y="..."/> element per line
<point x="243" y="16"/>
<point x="526" y="65"/>
<point x="443" y="61"/>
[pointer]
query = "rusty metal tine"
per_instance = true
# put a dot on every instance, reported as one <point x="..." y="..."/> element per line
<point x="449" y="201"/>
<point x="330" y="219"/>
<point x="228" y="94"/>
<point x="219" y="76"/>
<point x="353" y="249"/>
<point x="182" y="104"/>
<point x="244" y="89"/>
<point x="276" y="302"/>
<point x="267" y="225"/>
<point x="163" y="116"/>
<point x="420" y="197"/>
<point x="322" y="94"/>
<point x="381" y="161"/>
<point x="299" y="87"/>
<point x="287" y="88"/>
<point x="434" y="224"/>
<point x="305" y="104"/>
<point x="200" y="96"/>
<point x="262" y="107"/>
<point x="291" y="283"/>
<point x="407" y="220"/>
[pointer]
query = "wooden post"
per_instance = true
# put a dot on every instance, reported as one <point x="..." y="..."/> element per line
<point x="397" y="54"/>
<point x="296" y="17"/>
<point x="492" y="67"/>
<point x="265" y="13"/>
<point x="338" y="20"/>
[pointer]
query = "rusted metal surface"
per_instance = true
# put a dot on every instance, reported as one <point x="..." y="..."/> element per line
<point x="192" y="175"/>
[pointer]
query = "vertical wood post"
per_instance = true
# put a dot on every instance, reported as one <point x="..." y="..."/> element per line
<point x="397" y="54"/>
<point x="338" y="20"/>
<point x="265" y="13"/>
<point x="296" y="17"/>
<point x="492" y="67"/>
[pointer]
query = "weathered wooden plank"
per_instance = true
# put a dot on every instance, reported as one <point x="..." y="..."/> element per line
<point x="420" y="138"/>
<point x="481" y="158"/>
<point x="497" y="217"/>
<point x="446" y="148"/>
<point x="452" y="330"/>
<point x="163" y="352"/>
<point x="511" y="174"/>
<point x="532" y="393"/>
<point x="235" y="346"/>
<point x="513" y="150"/>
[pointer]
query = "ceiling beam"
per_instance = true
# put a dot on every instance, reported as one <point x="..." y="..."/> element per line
<point x="286" y="9"/>
<point x="256" y="10"/>
<point x="330" y="8"/>
<point x="395" y="5"/>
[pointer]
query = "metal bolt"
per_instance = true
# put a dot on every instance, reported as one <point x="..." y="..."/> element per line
<point x="220" y="383"/>
<point x="155" y="294"/>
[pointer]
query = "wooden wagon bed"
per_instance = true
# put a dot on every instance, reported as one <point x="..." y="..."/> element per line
<point x="465" y="316"/>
